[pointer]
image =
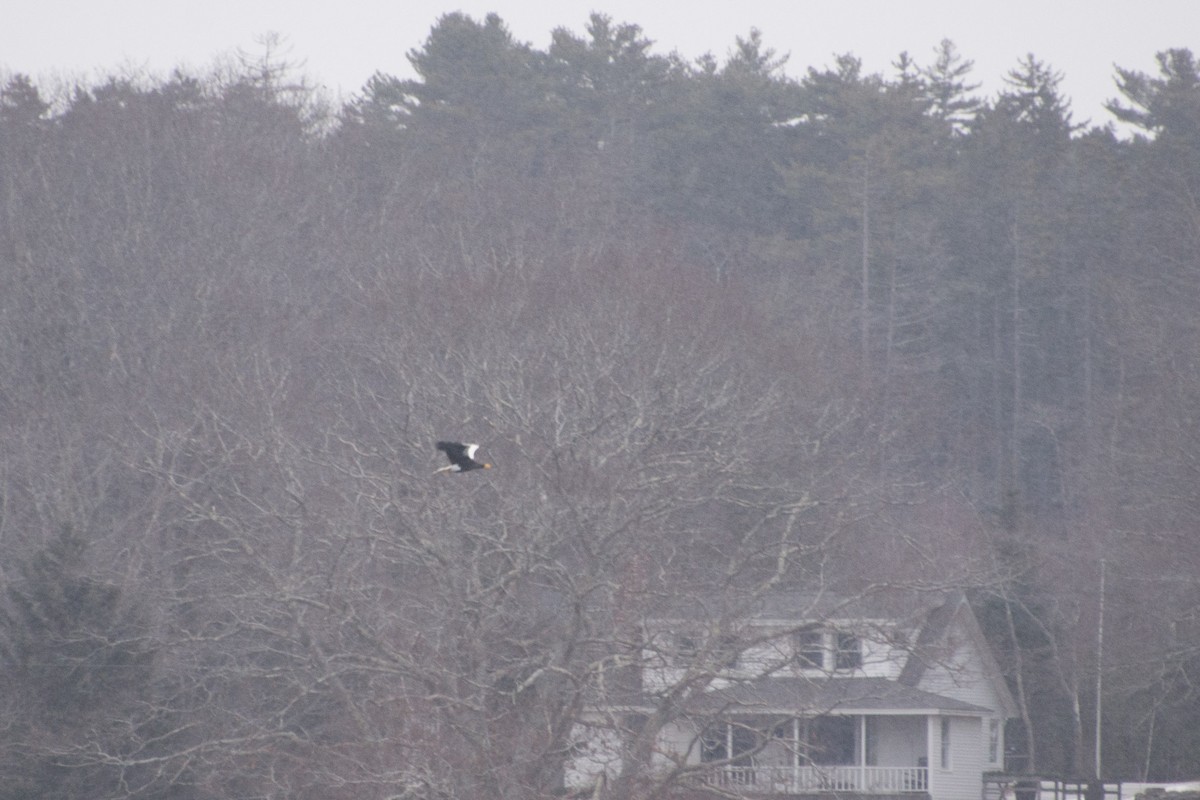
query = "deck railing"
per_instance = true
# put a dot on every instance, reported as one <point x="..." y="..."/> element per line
<point x="799" y="780"/>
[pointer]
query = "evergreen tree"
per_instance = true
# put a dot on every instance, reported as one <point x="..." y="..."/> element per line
<point x="949" y="93"/>
<point x="870" y="167"/>
<point x="1168" y="105"/>
<point x="720" y="144"/>
<point x="1033" y="99"/>
<point x="1167" y="109"/>
<point x="609" y="84"/>
<point x="77" y="660"/>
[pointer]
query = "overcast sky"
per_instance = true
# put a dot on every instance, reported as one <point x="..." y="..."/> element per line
<point x="340" y="43"/>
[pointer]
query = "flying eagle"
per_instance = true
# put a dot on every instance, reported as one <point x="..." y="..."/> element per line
<point x="462" y="457"/>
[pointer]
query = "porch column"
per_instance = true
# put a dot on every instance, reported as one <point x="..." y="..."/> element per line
<point x="862" y="752"/>
<point x="932" y="734"/>
<point x="795" y="780"/>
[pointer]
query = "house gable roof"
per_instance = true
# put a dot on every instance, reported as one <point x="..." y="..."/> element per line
<point x="937" y="622"/>
<point x="955" y="614"/>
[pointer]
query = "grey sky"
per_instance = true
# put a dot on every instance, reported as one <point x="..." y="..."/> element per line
<point x="340" y="43"/>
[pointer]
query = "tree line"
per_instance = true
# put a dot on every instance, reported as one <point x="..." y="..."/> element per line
<point x="722" y="332"/>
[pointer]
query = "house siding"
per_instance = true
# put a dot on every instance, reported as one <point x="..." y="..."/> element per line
<point x="597" y="750"/>
<point x="676" y="739"/>
<point x="962" y="780"/>
<point x="966" y="674"/>
<point x="882" y="660"/>
<point x="961" y="675"/>
<point x="899" y="740"/>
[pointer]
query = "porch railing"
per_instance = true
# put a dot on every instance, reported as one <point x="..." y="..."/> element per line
<point x="798" y="780"/>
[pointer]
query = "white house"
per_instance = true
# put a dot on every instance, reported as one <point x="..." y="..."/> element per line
<point x="802" y="695"/>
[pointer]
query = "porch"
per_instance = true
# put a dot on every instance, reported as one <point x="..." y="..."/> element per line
<point x="820" y="779"/>
<point x="877" y="755"/>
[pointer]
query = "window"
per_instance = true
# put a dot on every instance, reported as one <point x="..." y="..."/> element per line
<point x="724" y="653"/>
<point x="945" y="743"/>
<point x="849" y="652"/>
<point x="810" y="649"/>
<point x="871" y="741"/>
<point x="686" y="648"/>
<point x="831" y="740"/>
<point x="714" y="743"/>
<point x="993" y="740"/>
<point x="729" y="741"/>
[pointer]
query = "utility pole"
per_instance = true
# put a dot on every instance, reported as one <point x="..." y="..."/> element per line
<point x="1100" y="664"/>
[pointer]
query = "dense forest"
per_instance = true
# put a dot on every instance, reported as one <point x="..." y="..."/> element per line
<point x="720" y="330"/>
